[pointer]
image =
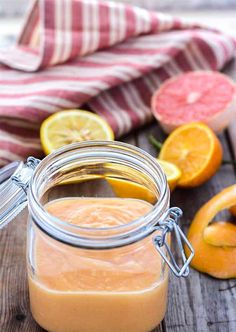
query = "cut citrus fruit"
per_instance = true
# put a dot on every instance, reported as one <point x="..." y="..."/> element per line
<point x="72" y="126"/>
<point x="205" y="96"/>
<point x="172" y="172"/>
<point x="196" y="150"/>
<point x="127" y="189"/>
<point x="124" y="188"/>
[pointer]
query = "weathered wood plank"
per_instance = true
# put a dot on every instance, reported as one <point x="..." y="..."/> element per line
<point x="198" y="303"/>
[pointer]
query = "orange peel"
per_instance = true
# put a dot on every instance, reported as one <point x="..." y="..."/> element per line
<point x="215" y="244"/>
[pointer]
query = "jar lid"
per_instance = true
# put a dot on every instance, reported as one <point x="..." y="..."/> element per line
<point x="14" y="182"/>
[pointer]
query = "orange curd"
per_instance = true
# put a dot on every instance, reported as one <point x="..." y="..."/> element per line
<point x="83" y="290"/>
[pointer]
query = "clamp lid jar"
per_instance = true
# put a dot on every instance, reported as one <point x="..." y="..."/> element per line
<point x="95" y="278"/>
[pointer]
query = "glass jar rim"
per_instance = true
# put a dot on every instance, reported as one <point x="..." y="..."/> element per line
<point x="56" y="228"/>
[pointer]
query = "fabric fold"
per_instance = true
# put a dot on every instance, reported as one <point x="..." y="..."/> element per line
<point x="109" y="56"/>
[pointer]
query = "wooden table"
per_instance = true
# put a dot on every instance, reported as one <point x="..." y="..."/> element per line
<point x="198" y="303"/>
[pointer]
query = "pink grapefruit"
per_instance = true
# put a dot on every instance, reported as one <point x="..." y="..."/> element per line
<point x="205" y="96"/>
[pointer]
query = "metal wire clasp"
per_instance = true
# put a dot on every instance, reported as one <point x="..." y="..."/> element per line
<point x="14" y="183"/>
<point x="167" y="225"/>
<point x="21" y="179"/>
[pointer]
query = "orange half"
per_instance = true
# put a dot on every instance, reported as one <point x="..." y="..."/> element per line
<point x="196" y="150"/>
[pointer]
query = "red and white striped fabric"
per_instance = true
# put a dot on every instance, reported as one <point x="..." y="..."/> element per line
<point x="106" y="55"/>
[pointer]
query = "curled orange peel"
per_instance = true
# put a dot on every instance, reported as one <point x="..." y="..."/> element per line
<point x="215" y="244"/>
<point x="221" y="234"/>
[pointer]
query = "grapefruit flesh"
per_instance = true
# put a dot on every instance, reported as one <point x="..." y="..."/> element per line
<point x="209" y="97"/>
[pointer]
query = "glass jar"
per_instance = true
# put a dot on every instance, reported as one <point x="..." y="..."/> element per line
<point x="99" y="279"/>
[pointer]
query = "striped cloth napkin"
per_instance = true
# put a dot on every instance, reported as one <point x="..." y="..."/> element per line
<point x="109" y="56"/>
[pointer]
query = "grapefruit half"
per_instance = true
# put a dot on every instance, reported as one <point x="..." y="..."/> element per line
<point x="205" y="96"/>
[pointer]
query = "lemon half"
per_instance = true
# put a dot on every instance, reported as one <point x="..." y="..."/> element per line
<point x="72" y="126"/>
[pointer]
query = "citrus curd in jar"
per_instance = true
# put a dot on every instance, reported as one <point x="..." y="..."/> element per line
<point x="116" y="290"/>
